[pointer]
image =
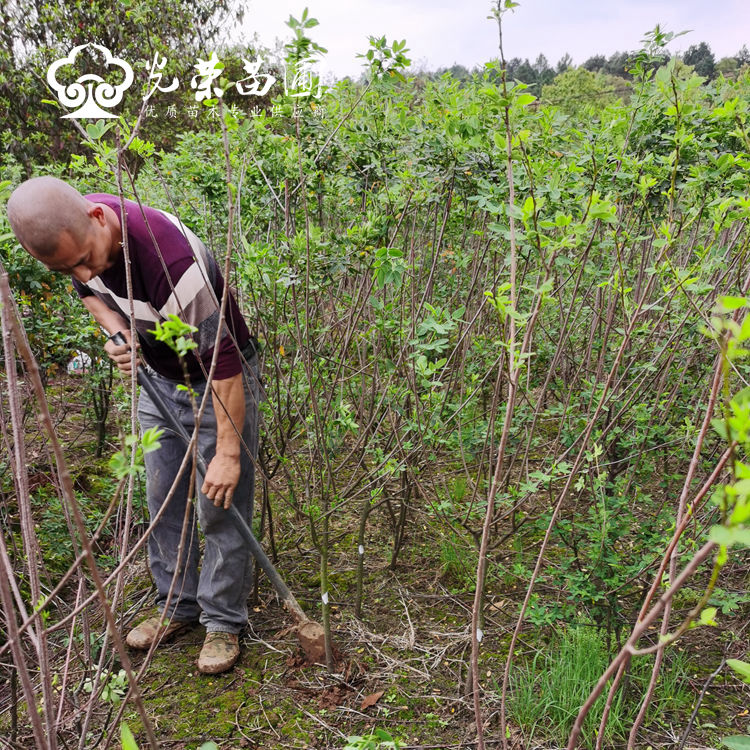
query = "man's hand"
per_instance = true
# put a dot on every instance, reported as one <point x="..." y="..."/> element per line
<point x="222" y="476"/>
<point x="120" y="353"/>
<point x="223" y="473"/>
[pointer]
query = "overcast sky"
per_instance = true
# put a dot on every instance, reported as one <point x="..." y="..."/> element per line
<point x="442" y="32"/>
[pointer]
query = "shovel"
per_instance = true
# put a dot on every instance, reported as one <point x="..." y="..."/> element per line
<point x="310" y="634"/>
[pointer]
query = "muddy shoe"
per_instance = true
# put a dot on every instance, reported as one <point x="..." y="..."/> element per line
<point x="219" y="653"/>
<point x="143" y="635"/>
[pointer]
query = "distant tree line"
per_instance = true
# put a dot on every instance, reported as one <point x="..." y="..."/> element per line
<point x="540" y="72"/>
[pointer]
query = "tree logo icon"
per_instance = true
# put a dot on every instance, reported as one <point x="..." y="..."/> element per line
<point x="90" y="92"/>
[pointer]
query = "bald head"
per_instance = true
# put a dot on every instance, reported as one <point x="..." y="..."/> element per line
<point x="41" y="209"/>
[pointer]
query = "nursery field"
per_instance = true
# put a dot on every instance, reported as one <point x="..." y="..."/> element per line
<point x="503" y="447"/>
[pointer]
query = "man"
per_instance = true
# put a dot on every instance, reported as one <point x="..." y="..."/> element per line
<point x="172" y="272"/>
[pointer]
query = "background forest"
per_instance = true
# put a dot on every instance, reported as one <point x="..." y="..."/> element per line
<point x="504" y="453"/>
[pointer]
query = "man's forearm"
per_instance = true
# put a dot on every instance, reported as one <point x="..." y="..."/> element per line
<point x="108" y="319"/>
<point x="112" y="322"/>
<point x="223" y="471"/>
<point x="229" y="406"/>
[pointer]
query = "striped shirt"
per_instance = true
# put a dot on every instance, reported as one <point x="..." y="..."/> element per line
<point x="172" y="272"/>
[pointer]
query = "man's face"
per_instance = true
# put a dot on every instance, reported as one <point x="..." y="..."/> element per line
<point x="87" y="259"/>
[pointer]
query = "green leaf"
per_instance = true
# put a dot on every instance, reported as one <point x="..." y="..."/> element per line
<point x="741" y="512"/>
<point x="742" y="668"/>
<point x="525" y="99"/>
<point x="150" y="440"/>
<point x="744" y="329"/>
<point x="729" y="302"/>
<point x="127" y="739"/>
<point x="737" y="742"/>
<point x="119" y="465"/>
<point x="742" y="487"/>
<point x="708" y="615"/>
<point x="174" y="333"/>
<point x="730" y="536"/>
<point x="720" y="426"/>
<point x="603" y="211"/>
<point x="527" y="210"/>
<point x="95" y="130"/>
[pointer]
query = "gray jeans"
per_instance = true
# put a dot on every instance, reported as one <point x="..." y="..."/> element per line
<point x="218" y="592"/>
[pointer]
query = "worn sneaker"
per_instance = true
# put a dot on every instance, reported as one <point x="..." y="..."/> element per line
<point x="154" y="629"/>
<point x="220" y="651"/>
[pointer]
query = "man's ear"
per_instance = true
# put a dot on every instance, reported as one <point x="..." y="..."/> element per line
<point x="96" y="212"/>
